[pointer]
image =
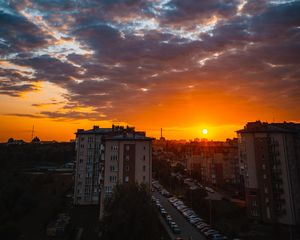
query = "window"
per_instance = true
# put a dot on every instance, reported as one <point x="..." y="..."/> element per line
<point x="127" y="168"/>
<point x="144" y="168"/>
<point x="268" y="212"/>
<point x="264" y="166"/>
<point x="127" y="148"/>
<point x="127" y="157"/>
<point x="266" y="190"/>
<point x="80" y="160"/>
<point x="126" y="179"/>
<point x="108" y="189"/>
<point x="254" y="212"/>
<point x="144" y="178"/>
<point x="265" y="176"/>
<point x="144" y="157"/>
<point x="113" y="179"/>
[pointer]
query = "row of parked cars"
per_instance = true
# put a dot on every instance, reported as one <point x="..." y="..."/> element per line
<point x="173" y="225"/>
<point x="194" y="219"/>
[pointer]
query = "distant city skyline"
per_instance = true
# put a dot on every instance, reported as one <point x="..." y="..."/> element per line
<point x="183" y="66"/>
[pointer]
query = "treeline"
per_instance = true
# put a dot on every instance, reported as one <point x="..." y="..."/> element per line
<point x="22" y="194"/>
<point x="28" y="155"/>
<point x="130" y="214"/>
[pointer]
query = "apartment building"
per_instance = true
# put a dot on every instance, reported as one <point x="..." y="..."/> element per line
<point x="216" y="162"/>
<point x="128" y="159"/>
<point x="92" y="162"/>
<point x="269" y="155"/>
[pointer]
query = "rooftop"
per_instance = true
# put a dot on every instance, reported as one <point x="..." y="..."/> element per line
<point x="129" y="136"/>
<point x="258" y="126"/>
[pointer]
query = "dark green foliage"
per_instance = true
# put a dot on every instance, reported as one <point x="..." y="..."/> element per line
<point x="130" y="215"/>
<point x="14" y="157"/>
<point x="9" y="231"/>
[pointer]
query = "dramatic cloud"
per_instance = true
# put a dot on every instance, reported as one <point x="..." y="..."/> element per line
<point x="119" y="57"/>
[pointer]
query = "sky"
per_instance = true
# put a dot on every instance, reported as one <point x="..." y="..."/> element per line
<point x="178" y="65"/>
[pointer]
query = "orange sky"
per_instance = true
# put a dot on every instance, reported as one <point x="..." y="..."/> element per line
<point x="182" y="116"/>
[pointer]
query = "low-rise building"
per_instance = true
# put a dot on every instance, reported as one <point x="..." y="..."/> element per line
<point x="216" y="162"/>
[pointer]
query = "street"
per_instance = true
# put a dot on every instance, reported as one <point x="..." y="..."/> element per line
<point x="188" y="232"/>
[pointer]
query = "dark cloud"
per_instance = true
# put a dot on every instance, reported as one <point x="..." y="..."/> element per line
<point x="72" y="115"/>
<point x="136" y="53"/>
<point x="181" y="11"/>
<point x="18" y="34"/>
<point x="16" y="90"/>
<point x="24" y="115"/>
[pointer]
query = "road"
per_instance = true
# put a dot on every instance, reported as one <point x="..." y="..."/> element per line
<point x="213" y="196"/>
<point x="188" y="231"/>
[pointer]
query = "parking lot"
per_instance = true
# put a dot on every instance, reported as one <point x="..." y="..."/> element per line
<point x="181" y="221"/>
<point x="188" y="232"/>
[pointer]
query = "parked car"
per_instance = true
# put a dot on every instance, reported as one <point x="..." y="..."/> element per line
<point x="210" y="232"/>
<point x="217" y="237"/>
<point x="176" y="230"/>
<point x="173" y="199"/>
<point x="195" y="220"/>
<point x="205" y="228"/>
<point x="188" y="213"/>
<point x="179" y="207"/>
<point x="208" y="189"/>
<point x="201" y="225"/>
<point x="178" y="203"/>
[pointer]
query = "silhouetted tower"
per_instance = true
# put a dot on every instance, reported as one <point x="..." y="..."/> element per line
<point x="32" y="132"/>
<point x="161" y="135"/>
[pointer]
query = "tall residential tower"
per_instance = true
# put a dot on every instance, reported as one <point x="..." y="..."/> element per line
<point x="107" y="156"/>
<point x="269" y="157"/>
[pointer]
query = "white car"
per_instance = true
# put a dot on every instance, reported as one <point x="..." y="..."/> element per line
<point x="177" y="203"/>
<point x="208" y="189"/>
<point x="172" y="199"/>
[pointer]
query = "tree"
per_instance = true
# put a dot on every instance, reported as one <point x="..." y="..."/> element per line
<point x="35" y="140"/>
<point x="129" y="214"/>
<point x="10" y="140"/>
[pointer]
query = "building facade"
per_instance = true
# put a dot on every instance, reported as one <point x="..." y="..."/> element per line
<point x="127" y="159"/>
<point x="216" y="162"/>
<point x="107" y="156"/>
<point x="269" y="156"/>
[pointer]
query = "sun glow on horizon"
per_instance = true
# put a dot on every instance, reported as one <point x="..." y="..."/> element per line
<point x="205" y="131"/>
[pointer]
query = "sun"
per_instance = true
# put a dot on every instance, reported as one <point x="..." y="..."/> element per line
<point x="204" y="131"/>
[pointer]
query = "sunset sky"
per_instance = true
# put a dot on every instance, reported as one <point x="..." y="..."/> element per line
<point x="183" y="65"/>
